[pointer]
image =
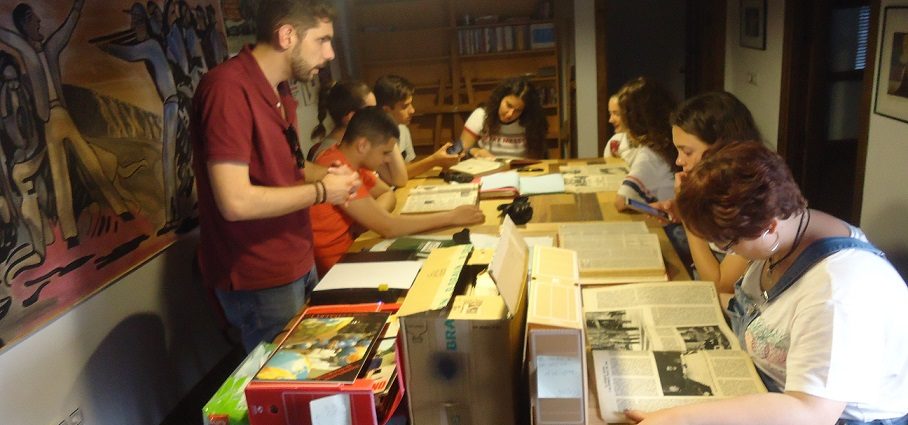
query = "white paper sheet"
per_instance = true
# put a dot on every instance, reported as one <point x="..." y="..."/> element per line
<point x="331" y="410"/>
<point x="394" y="274"/>
<point x="558" y="377"/>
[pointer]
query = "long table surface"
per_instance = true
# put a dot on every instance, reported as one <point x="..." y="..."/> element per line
<point x="549" y="208"/>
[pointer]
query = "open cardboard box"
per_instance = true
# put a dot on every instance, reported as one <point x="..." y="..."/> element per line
<point x="462" y="353"/>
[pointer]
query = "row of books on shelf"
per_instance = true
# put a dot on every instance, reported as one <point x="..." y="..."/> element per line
<point x="505" y="38"/>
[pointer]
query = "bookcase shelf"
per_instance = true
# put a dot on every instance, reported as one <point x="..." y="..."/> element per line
<point x="426" y="41"/>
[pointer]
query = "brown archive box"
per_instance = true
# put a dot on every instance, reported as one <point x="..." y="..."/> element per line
<point x="462" y="353"/>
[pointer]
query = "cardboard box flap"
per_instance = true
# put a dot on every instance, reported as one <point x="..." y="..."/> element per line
<point x="509" y="265"/>
<point x="435" y="283"/>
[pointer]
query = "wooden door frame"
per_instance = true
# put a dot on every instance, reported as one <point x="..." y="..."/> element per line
<point x="704" y="60"/>
<point x="804" y="74"/>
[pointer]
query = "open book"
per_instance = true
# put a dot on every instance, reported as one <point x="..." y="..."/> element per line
<point x="659" y="345"/>
<point x="446" y="197"/>
<point x="509" y="184"/>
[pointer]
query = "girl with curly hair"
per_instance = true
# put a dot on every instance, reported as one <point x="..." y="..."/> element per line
<point x="645" y="107"/>
<point x="510" y="123"/>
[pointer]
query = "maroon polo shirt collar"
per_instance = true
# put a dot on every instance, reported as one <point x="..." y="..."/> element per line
<point x="264" y="87"/>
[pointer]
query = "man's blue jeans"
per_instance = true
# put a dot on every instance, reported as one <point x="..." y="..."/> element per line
<point x="260" y="315"/>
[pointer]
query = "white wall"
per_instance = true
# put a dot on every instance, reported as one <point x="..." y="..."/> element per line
<point x="883" y="214"/>
<point x="585" y="59"/>
<point x="126" y="355"/>
<point x="762" y="96"/>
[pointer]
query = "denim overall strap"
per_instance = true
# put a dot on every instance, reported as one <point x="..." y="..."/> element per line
<point x="813" y="254"/>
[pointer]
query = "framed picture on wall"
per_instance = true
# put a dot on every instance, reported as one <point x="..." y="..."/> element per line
<point x="753" y="24"/>
<point x="892" y="78"/>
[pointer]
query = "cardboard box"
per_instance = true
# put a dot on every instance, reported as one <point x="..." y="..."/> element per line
<point x="463" y="358"/>
<point x="556" y="359"/>
<point x="296" y="402"/>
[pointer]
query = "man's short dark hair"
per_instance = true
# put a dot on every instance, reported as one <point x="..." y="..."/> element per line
<point x="19" y="13"/>
<point x="302" y="14"/>
<point x="374" y="124"/>
<point x="391" y="89"/>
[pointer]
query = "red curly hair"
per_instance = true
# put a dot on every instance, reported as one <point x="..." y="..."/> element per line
<point x="736" y="191"/>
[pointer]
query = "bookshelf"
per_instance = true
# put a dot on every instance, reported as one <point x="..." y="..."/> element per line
<point x="455" y="52"/>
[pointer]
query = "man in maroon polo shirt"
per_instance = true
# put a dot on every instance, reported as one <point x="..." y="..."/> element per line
<point x="254" y="192"/>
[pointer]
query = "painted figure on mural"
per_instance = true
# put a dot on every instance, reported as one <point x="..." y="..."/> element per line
<point x="66" y="148"/>
<point x="26" y="200"/>
<point x="138" y="45"/>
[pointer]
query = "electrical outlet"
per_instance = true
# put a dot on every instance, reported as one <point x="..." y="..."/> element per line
<point x="75" y="418"/>
<point x="752" y="78"/>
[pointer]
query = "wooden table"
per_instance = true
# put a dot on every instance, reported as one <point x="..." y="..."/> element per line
<point x="551" y="208"/>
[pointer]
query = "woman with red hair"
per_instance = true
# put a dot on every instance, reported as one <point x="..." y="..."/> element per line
<point x="819" y="309"/>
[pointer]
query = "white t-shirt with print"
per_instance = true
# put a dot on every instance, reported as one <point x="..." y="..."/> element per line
<point x="649" y="177"/>
<point x="838" y="333"/>
<point x="510" y="140"/>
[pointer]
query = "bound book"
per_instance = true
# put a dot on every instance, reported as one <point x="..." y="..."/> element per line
<point x="325" y="347"/>
<point x="660" y="345"/>
<point x="614" y="252"/>
<point x="510" y="184"/>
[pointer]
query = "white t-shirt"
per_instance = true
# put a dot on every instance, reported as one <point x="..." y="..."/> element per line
<point x="619" y="146"/>
<point x="649" y="178"/>
<point x="405" y="143"/>
<point x="510" y="140"/>
<point x="838" y="333"/>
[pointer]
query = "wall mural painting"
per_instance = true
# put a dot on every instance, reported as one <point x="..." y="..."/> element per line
<point x="95" y="173"/>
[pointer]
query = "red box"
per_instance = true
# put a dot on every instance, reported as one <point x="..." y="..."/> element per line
<point x="287" y="402"/>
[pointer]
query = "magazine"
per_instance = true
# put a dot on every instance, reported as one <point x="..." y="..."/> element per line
<point x="659" y="345"/>
<point x="325" y="347"/>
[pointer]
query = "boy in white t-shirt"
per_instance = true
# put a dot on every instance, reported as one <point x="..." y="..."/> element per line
<point x="394" y="94"/>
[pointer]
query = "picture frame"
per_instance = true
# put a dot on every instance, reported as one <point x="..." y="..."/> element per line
<point x="753" y="24"/>
<point x="892" y="75"/>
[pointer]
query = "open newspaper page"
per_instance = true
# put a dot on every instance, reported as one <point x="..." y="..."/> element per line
<point x="593" y="178"/>
<point x="434" y="198"/>
<point x="658" y="345"/>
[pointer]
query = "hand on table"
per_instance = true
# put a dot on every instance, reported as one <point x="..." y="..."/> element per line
<point x="466" y="215"/>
